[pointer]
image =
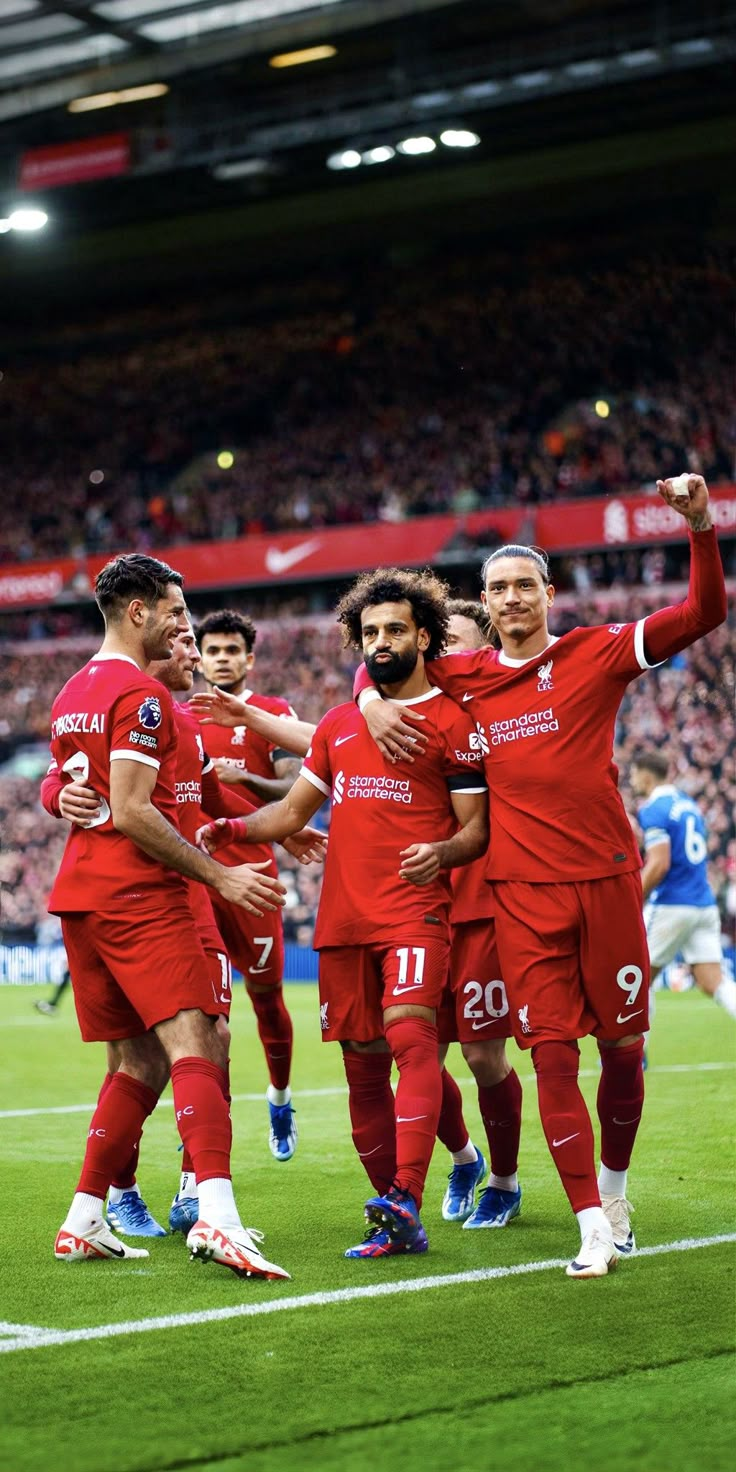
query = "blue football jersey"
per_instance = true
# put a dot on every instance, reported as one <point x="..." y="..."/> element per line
<point x="670" y="814"/>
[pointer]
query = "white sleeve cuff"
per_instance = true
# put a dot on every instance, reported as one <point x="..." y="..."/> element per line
<point x="366" y="696"/>
<point x="315" y="781"/>
<point x="134" y="756"/>
<point x="641" y="657"/>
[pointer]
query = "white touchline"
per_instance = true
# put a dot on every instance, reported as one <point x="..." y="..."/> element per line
<point x="7" y="1330"/>
<point x="465" y="1083"/>
<point x="45" y="1337"/>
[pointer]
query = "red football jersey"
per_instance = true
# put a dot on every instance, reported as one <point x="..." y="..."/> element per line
<point x="252" y="753"/>
<point x="111" y="710"/>
<point x="547" y="727"/>
<point x="192" y="762"/>
<point x="378" y="810"/>
<point x="472" y="895"/>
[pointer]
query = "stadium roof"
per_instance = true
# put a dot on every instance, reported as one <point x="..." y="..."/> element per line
<point x="49" y="47"/>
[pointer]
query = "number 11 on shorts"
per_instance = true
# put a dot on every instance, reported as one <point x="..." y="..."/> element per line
<point x="418" y="954"/>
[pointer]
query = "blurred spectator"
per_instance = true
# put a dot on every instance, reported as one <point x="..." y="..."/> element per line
<point x="410" y="395"/>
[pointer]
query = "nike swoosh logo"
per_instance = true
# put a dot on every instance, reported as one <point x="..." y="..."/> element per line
<point x="342" y="739"/>
<point x="478" y="1025"/>
<point x="115" y="1251"/>
<point x="409" y="1119"/>
<point x="467" y="697"/>
<point x="628" y="1015"/>
<point x="365" y="1153"/>
<point x="635" y="1120"/>
<point x="277" y="561"/>
<point x="557" y="1143"/>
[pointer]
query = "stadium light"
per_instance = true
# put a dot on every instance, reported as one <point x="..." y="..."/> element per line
<point x="459" y="138"/>
<point x="602" y="408"/>
<point x="24" y="220"/>
<point x="379" y="155"/>
<point x="298" y="58"/>
<point x="414" y="146"/>
<point x="225" y="459"/>
<point x="242" y="168"/>
<point x="111" y="99"/>
<point x="349" y="158"/>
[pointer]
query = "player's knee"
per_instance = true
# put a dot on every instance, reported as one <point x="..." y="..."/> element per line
<point x="487" y="1062"/>
<point x="191" y="1034"/>
<point x="145" y="1060"/>
<point x="222" y="1028"/>
<point x="556" y="1057"/>
<point x="605" y="1043"/>
<point x="377" y="1045"/>
<point x="254" y="990"/>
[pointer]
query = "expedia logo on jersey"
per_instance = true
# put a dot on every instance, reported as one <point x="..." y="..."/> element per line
<point x="532" y="723"/>
<point x="478" y="747"/>
<point x="149" y="713"/>
<point x="383" y="789"/>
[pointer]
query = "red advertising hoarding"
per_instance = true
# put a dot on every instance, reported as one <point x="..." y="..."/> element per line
<point x="611" y="522"/>
<point x="74" y="163"/>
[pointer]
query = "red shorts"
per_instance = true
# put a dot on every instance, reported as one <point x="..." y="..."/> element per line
<point x="358" y="983"/>
<point x="474" y="1004"/>
<point x="131" y="971"/>
<point x="254" y="943"/>
<point x="213" y="945"/>
<point x="574" y="958"/>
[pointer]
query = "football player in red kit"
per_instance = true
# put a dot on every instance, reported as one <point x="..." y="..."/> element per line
<point x="141" y="981"/>
<point x="196" y="779"/>
<point x="382" y="927"/>
<point x="475" y="1012"/>
<point x="263" y="772"/>
<point x="563" y="859"/>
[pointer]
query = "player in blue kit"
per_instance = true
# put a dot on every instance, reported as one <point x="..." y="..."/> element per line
<point x="680" y="913"/>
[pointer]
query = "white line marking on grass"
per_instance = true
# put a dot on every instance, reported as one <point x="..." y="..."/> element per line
<point x="465" y="1083"/>
<point x="20" y="1330"/>
<point x="43" y="1337"/>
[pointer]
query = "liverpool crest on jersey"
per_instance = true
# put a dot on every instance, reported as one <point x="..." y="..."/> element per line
<point x="544" y="672"/>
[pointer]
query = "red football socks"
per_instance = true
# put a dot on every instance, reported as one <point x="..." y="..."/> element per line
<point x="413" y="1042"/>
<point x="452" y="1131"/>
<point x="201" y="1093"/>
<point x="372" y="1116"/>
<point x="500" y="1110"/>
<point x="566" y="1122"/>
<point x="115" y="1129"/>
<point x="187" y="1164"/>
<point x="620" y="1102"/>
<point x="275" y="1032"/>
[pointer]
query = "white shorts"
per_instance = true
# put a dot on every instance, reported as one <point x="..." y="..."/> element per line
<point x="692" y="931"/>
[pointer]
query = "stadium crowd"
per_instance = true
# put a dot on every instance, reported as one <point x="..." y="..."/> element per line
<point x="685" y="708"/>
<point x="399" y="395"/>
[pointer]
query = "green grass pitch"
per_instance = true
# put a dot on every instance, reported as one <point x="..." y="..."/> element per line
<point x="525" y="1371"/>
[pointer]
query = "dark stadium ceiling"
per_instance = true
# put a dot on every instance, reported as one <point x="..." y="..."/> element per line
<point x="228" y="128"/>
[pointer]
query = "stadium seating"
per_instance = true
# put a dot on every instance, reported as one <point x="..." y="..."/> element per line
<point x="406" y="394"/>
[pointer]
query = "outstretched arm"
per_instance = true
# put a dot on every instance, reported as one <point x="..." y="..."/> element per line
<point x="669" y="630"/>
<point x="272" y="824"/>
<point x="219" y="707"/>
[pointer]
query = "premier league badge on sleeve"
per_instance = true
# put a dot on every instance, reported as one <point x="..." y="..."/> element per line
<point x="149" y="713"/>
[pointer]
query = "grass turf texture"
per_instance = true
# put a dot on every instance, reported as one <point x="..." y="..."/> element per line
<point x="533" y="1371"/>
